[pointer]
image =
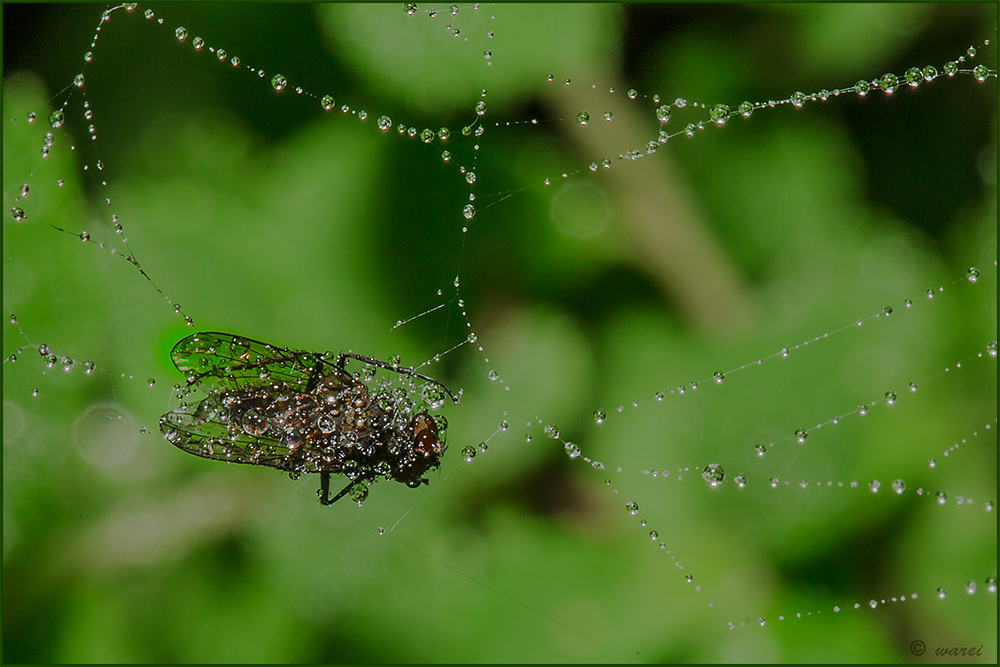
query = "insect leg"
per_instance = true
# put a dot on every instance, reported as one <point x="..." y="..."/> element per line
<point x="382" y="364"/>
<point x="324" y="487"/>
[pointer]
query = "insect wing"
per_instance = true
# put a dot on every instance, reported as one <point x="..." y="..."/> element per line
<point x="203" y="431"/>
<point x="237" y="362"/>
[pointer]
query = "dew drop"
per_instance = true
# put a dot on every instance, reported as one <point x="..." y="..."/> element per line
<point x="358" y="493"/>
<point x="631" y="93"/>
<point x="741" y="481"/>
<point x="34" y="392"/>
<point x="760" y="449"/>
<point x="951" y="68"/>
<point x="181" y="33"/>
<point x="746" y="108"/>
<point x="56" y="118"/>
<point x="862" y="87"/>
<point x="888" y="83"/>
<point x="632" y="507"/>
<point x="942" y="592"/>
<point x="719" y="114"/>
<point x="551" y="431"/>
<point x="941" y="497"/>
<point x="981" y="72"/>
<point x="503" y="425"/>
<point x="278" y="82"/>
<point x="862" y="409"/>
<point x="480" y="108"/>
<point x="719" y="377"/>
<point x="890" y="397"/>
<point x="470" y="177"/>
<point x="688" y="578"/>
<point x="469" y="211"/>
<point x="970" y="587"/>
<point x="874" y="485"/>
<point x="468" y="453"/>
<point x="991" y="585"/>
<point x="873" y="603"/>
<point x="78" y="81"/>
<point x="898" y="486"/>
<point x="198" y="43"/>
<point x="991" y="348"/>
<point x="583" y="117"/>
<point x="572" y="450"/>
<point x="797" y="98"/>
<point x="801" y="435"/>
<point x="972" y="275"/>
<point x="327" y="102"/>
<point x="713" y="474"/>
<point x="18" y="214"/>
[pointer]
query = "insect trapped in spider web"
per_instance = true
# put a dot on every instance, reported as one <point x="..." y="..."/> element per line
<point x="303" y="412"/>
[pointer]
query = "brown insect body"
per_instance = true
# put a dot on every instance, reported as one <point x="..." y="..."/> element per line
<point x="300" y="412"/>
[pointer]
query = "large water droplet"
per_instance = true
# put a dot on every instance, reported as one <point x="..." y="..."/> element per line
<point x="278" y="82"/>
<point x="714" y="475"/>
<point x="720" y="114"/>
<point x="888" y="83"/>
<point x="632" y="507"/>
<point x="583" y="117"/>
<point x="181" y="33"/>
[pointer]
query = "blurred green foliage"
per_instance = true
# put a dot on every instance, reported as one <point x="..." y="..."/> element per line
<point x="265" y="216"/>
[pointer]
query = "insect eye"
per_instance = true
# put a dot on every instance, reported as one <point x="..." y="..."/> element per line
<point x="425" y="435"/>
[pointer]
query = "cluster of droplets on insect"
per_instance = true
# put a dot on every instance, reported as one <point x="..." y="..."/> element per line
<point x="303" y="412"/>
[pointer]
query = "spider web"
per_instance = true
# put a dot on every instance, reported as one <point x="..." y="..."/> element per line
<point x="588" y="290"/>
